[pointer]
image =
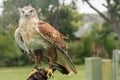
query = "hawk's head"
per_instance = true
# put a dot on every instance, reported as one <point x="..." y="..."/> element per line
<point x="28" y="12"/>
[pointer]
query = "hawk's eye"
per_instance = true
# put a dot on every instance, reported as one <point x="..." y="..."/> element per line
<point x="22" y="11"/>
<point x="31" y="11"/>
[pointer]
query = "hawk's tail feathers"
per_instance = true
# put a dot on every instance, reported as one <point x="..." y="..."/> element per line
<point x="62" y="69"/>
<point x="64" y="64"/>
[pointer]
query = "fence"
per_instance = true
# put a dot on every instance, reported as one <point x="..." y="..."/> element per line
<point x="98" y="69"/>
<point x="116" y="58"/>
<point x="103" y="69"/>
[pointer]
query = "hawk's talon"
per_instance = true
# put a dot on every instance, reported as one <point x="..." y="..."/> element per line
<point x="49" y="72"/>
<point x="33" y="72"/>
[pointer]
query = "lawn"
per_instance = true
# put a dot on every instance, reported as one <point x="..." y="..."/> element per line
<point x="21" y="73"/>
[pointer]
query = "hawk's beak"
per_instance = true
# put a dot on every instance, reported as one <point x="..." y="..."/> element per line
<point x="26" y="15"/>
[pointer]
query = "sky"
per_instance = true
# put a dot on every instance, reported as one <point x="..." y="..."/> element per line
<point x="82" y="7"/>
<point x="0" y="7"/>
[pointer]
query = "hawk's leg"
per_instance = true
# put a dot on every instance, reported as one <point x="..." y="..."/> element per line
<point x="52" y="56"/>
<point x="38" y="57"/>
<point x="52" y="60"/>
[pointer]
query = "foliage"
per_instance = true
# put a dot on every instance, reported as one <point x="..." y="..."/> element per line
<point x="7" y="49"/>
<point x="81" y="49"/>
<point x="110" y="41"/>
<point x="103" y="39"/>
<point x="69" y="22"/>
<point x="100" y="41"/>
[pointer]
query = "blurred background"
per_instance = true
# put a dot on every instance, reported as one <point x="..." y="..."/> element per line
<point x="92" y="30"/>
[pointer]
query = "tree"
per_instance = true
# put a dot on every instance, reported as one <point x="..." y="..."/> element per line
<point x="69" y="21"/>
<point x="112" y="15"/>
<point x="103" y="40"/>
<point x="9" y="55"/>
<point x="99" y="41"/>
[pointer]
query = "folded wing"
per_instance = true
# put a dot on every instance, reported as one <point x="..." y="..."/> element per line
<point x="56" y="39"/>
<point x="19" y="41"/>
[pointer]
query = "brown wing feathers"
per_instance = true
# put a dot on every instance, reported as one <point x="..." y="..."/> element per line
<point x="49" y="32"/>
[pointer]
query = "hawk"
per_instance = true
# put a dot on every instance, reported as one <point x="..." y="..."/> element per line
<point x="42" y="41"/>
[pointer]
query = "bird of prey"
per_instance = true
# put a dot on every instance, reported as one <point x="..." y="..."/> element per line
<point x="43" y="42"/>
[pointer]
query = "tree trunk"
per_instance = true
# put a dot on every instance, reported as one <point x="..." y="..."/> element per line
<point x="116" y="28"/>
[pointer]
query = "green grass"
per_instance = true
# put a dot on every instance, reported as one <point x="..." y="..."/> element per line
<point x="21" y="73"/>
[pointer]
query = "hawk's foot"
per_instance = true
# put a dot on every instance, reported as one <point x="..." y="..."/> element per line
<point x="33" y="72"/>
<point x="38" y="74"/>
<point x="49" y="72"/>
